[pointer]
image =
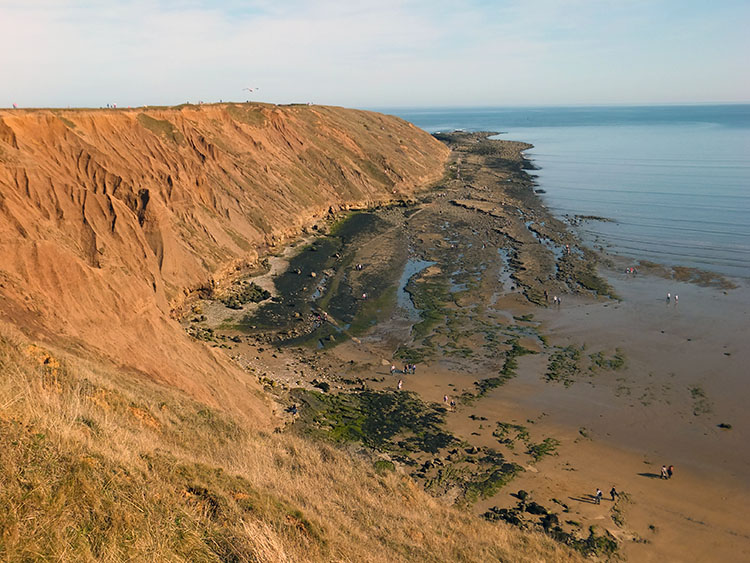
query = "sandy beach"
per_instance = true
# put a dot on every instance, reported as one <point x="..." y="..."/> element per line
<point x="645" y="382"/>
<point x="618" y="429"/>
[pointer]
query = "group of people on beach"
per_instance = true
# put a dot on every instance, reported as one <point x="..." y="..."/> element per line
<point x="450" y="402"/>
<point x="612" y="493"/>
<point x="555" y="299"/>
<point x="408" y="369"/>
<point x="666" y="473"/>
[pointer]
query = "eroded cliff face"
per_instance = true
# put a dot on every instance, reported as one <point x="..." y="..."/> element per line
<point x="108" y="217"/>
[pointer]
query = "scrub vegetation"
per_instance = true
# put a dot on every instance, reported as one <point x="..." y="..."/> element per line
<point x="99" y="465"/>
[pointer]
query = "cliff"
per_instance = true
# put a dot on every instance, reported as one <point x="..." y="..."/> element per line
<point x="123" y="438"/>
<point x="109" y="217"/>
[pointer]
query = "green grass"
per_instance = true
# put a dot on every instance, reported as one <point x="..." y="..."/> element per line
<point x="384" y="466"/>
<point x="250" y="114"/>
<point x="161" y="127"/>
<point x="91" y="472"/>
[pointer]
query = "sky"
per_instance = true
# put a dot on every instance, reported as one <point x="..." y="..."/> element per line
<point x="371" y="54"/>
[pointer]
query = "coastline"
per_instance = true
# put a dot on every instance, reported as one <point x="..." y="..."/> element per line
<point x="594" y="449"/>
<point x="672" y="181"/>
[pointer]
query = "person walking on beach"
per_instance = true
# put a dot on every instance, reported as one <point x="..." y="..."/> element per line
<point x="598" y="496"/>
<point x="393" y="369"/>
<point x="670" y="471"/>
<point x="664" y="474"/>
<point x="669" y="296"/>
<point x="400" y="384"/>
<point x="613" y="493"/>
<point x="676" y="298"/>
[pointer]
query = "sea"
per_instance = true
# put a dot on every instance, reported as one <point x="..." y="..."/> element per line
<point x="672" y="182"/>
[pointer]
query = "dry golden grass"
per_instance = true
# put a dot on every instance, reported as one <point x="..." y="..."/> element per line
<point x="98" y="466"/>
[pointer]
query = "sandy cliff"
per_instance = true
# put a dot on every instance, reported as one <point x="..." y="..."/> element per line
<point x="108" y="217"/>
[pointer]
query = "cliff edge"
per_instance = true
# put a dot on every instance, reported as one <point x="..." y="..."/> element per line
<point x="108" y="218"/>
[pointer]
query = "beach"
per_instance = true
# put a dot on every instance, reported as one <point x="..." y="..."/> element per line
<point x="601" y="389"/>
<point x="620" y="429"/>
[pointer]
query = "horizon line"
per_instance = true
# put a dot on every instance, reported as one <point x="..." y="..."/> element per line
<point x="379" y="108"/>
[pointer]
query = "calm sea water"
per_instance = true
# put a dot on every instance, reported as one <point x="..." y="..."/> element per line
<point x="674" y="180"/>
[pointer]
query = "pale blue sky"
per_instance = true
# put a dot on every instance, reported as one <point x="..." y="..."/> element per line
<point x="374" y="53"/>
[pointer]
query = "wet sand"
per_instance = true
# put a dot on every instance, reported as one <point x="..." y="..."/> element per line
<point x="619" y="428"/>
<point x="701" y="343"/>
<point x="494" y="252"/>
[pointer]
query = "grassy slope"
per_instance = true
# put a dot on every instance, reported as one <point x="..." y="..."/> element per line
<point x="97" y="466"/>
<point x="97" y="463"/>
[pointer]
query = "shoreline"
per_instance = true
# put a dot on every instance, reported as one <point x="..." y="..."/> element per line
<point x="677" y="195"/>
<point x="461" y="288"/>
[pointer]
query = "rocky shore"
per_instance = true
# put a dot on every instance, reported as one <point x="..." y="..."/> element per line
<point x="475" y="283"/>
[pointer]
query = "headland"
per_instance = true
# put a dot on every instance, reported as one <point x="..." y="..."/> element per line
<point x="198" y="301"/>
